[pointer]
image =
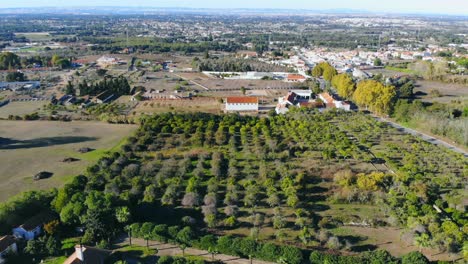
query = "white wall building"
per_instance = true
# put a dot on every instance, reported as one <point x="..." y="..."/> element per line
<point x="7" y="246"/>
<point x="242" y="104"/>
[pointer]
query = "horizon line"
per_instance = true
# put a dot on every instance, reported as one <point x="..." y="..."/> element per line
<point x="327" y="10"/>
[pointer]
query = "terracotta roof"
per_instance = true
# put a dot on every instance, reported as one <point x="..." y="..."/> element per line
<point x="5" y="242"/>
<point x="328" y="98"/>
<point x="242" y="100"/>
<point x="91" y="256"/>
<point x="295" y="77"/>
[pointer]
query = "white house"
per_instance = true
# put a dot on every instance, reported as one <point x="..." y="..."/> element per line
<point x="32" y="228"/>
<point x="293" y="98"/>
<point x="85" y="254"/>
<point x="242" y="104"/>
<point x="7" y="246"/>
<point x="331" y="102"/>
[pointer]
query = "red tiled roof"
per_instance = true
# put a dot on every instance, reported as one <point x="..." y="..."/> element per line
<point x="242" y="100"/>
<point x="295" y="77"/>
<point x="291" y="97"/>
<point x="328" y="98"/>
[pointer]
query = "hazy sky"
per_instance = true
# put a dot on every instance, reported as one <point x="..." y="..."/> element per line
<point x="402" y="6"/>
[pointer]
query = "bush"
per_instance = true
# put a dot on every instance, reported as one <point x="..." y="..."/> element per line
<point x="206" y="242"/>
<point x="269" y="251"/>
<point x="292" y="254"/>
<point x="414" y="258"/>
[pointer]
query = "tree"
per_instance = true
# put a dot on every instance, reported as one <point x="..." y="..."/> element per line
<point x="51" y="227"/>
<point x="9" y="60"/>
<point x="185" y="236"/>
<point x="344" y="85"/>
<point x="243" y="90"/>
<point x="414" y="257"/>
<point x="324" y="69"/>
<point x="378" y="62"/>
<point x="292" y="254"/>
<point x="122" y="214"/>
<point x="375" y="96"/>
<point x="213" y="251"/>
<point x="15" y="77"/>
<point x="70" y="89"/>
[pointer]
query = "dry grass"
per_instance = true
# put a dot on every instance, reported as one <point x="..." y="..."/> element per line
<point x="27" y="148"/>
<point x="21" y="108"/>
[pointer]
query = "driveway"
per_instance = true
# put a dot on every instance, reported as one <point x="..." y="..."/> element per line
<point x="166" y="249"/>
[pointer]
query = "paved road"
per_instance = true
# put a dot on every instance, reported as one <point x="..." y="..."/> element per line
<point x="426" y="137"/>
<point x="166" y="249"/>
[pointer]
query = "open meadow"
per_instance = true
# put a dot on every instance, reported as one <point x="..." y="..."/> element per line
<point x="27" y="148"/>
<point x="21" y="108"/>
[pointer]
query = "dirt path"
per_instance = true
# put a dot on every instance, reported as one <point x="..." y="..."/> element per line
<point x="166" y="249"/>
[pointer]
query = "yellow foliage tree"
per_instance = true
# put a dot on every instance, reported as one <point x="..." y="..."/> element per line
<point x="374" y="96"/>
<point x="344" y="85"/>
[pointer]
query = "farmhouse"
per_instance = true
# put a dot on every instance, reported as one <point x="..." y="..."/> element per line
<point x="293" y="98"/>
<point x="7" y="246"/>
<point x="106" y="61"/>
<point x="33" y="227"/>
<point x="331" y="102"/>
<point x="296" y="78"/>
<point x="85" y="254"/>
<point x="242" y="103"/>
<point x="16" y="86"/>
<point x="103" y="97"/>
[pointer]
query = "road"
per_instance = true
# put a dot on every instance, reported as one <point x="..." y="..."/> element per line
<point x="424" y="136"/>
<point x="166" y="249"/>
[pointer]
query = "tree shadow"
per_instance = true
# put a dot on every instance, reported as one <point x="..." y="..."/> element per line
<point x="8" y="143"/>
<point x="363" y="248"/>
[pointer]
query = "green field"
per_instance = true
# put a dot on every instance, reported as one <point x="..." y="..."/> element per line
<point x="314" y="180"/>
<point x="27" y="148"/>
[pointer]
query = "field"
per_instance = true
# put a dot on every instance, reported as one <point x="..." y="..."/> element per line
<point x="198" y="104"/>
<point x="448" y="92"/>
<point x="306" y="179"/>
<point x="27" y="148"/>
<point x="21" y="108"/>
<point x="35" y="36"/>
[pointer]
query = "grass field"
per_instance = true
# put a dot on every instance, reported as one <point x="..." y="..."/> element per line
<point x="21" y="108"/>
<point x="27" y="148"/>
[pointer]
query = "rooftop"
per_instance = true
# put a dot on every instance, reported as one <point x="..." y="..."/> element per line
<point x="37" y="220"/>
<point x="242" y="100"/>
<point x="5" y="242"/>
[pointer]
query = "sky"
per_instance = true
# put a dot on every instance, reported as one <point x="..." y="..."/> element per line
<point x="459" y="7"/>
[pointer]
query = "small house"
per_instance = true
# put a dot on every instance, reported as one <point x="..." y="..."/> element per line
<point x="32" y="228"/>
<point x="85" y="254"/>
<point x="296" y="78"/>
<point x="7" y="246"/>
<point x="242" y="104"/>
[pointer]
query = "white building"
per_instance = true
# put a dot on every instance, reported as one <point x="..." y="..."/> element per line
<point x="7" y="246"/>
<point x="242" y="104"/>
<point x="32" y="228"/>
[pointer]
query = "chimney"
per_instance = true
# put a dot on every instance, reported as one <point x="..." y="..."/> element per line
<point x="80" y="252"/>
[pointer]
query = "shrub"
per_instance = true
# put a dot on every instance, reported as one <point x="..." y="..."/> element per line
<point x="206" y="242"/>
<point x="292" y="254"/>
<point x="414" y="258"/>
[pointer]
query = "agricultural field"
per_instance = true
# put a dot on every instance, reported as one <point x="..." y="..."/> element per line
<point x="197" y="104"/>
<point x="29" y="147"/>
<point x="21" y="108"/>
<point x="447" y="92"/>
<point x="306" y="179"/>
